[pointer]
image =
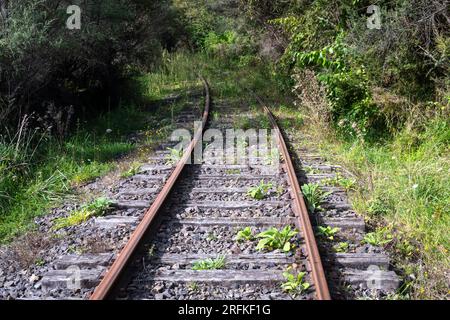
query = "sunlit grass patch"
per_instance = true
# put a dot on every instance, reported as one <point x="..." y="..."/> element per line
<point x="403" y="184"/>
<point x="96" y="208"/>
<point x="88" y="149"/>
<point x="176" y="73"/>
<point x="90" y="172"/>
<point x="132" y="170"/>
<point x="33" y="180"/>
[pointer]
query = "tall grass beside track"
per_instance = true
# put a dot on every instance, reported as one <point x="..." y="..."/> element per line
<point x="403" y="190"/>
<point x="37" y="170"/>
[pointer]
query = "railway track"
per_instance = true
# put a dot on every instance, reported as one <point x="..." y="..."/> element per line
<point x="182" y="223"/>
<point x="197" y="216"/>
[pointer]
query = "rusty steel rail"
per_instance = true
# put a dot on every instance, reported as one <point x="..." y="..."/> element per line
<point x="301" y="212"/>
<point x="113" y="273"/>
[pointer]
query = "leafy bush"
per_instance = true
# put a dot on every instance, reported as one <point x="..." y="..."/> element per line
<point x="215" y="42"/>
<point x="351" y="61"/>
<point x="352" y="110"/>
<point x="55" y="72"/>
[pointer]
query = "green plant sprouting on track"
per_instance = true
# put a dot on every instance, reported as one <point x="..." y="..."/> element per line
<point x="260" y="191"/>
<point x="96" y="208"/>
<point x="193" y="286"/>
<point x="295" y="283"/>
<point x="380" y="237"/>
<point x="273" y="239"/>
<point x="174" y="156"/>
<point x="245" y="234"/>
<point x="327" y="232"/>
<point x="233" y="171"/>
<point x="133" y="170"/>
<point x="341" y="247"/>
<point x="210" y="264"/>
<point x="340" y="181"/>
<point x="314" y="196"/>
<point x="215" y="115"/>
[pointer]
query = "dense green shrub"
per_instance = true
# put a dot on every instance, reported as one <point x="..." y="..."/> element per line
<point x="204" y="21"/>
<point x="351" y="107"/>
<point x="47" y="68"/>
<point x="407" y="58"/>
<point x="54" y="81"/>
<point x="213" y="41"/>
